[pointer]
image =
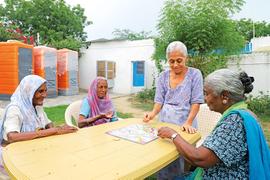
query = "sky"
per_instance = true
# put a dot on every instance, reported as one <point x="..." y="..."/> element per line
<point x="108" y="15"/>
<point x="143" y="15"/>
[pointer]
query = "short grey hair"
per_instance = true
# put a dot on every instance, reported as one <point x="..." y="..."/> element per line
<point x="226" y="80"/>
<point x="176" y="45"/>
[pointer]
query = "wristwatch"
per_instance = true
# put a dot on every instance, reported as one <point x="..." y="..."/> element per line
<point x="174" y="135"/>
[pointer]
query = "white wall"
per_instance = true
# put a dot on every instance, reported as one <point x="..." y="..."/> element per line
<point x="260" y="42"/>
<point x="256" y="65"/>
<point x="123" y="53"/>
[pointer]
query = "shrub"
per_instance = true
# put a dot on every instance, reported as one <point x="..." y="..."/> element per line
<point x="260" y="104"/>
<point x="146" y="95"/>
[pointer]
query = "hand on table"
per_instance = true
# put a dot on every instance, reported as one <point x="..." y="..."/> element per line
<point x="188" y="128"/>
<point x="66" y="129"/>
<point x="165" y="132"/>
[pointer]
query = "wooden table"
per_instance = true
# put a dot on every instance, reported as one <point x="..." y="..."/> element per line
<point x="91" y="154"/>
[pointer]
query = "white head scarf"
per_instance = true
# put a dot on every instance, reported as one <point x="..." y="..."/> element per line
<point x="23" y="98"/>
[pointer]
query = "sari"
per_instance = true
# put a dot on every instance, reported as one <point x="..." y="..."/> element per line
<point x="99" y="106"/>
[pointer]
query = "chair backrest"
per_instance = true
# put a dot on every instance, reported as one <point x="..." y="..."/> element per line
<point x="207" y="120"/>
<point x="72" y="112"/>
<point x="1" y="113"/>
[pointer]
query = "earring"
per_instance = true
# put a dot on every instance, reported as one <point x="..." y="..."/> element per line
<point x="224" y="101"/>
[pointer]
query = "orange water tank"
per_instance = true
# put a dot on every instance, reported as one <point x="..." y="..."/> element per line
<point x="16" y="61"/>
<point x="45" y="63"/>
<point x="67" y="72"/>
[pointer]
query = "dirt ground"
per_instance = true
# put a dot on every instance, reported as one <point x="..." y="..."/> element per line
<point x="123" y="104"/>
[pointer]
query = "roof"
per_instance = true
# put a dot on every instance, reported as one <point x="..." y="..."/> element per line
<point x="115" y="39"/>
<point x="106" y="40"/>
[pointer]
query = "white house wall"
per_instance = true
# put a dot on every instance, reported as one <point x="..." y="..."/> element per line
<point x="256" y="65"/>
<point x="260" y="42"/>
<point x="123" y="53"/>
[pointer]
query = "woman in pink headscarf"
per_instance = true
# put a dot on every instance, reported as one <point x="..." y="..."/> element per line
<point x="97" y="108"/>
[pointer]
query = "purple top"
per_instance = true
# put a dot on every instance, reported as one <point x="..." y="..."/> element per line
<point x="177" y="102"/>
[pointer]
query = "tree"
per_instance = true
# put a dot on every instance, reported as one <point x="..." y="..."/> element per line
<point x="52" y="19"/>
<point x="203" y="26"/>
<point x="130" y="35"/>
<point x="5" y="34"/>
<point x="245" y="28"/>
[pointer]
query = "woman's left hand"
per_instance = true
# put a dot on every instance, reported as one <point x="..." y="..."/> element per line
<point x="109" y="114"/>
<point x="188" y="128"/>
<point x="66" y="129"/>
<point x="165" y="132"/>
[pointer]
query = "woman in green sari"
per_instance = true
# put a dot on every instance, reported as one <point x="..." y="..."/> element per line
<point x="236" y="148"/>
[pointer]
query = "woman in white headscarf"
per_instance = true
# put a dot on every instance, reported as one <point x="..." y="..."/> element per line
<point x="24" y="118"/>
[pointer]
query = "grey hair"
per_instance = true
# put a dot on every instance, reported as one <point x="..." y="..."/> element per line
<point x="226" y="80"/>
<point x="176" y="45"/>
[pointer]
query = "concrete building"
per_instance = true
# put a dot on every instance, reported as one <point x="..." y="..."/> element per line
<point x="260" y="44"/>
<point x="257" y="65"/>
<point x="127" y="65"/>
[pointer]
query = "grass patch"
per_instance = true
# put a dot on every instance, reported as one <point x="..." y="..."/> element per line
<point x="265" y="123"/>
<point x="124" y="115"/>
<point x="57" y="114"/>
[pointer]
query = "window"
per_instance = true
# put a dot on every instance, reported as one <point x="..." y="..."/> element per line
<point x="140" y="67"/>
<point x="106" y="69"/>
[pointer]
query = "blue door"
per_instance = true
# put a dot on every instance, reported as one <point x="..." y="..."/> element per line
<point x="138" y="73"/>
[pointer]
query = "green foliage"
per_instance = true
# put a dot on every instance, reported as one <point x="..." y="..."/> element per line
<point x="245" y="28"/>
<point x="4" y="34"/>
<point x="69" y="43"/>
<point x="7" y="32"/>
<point x="202" y="25"/>
<point x="260" y="105"/>
<point x="52" y="19"/>
<point x="146" y="95"/>
<point x="208" y="64"/>
<point x="130" y="35"/>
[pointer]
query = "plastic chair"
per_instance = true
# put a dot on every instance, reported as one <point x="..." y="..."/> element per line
<point x="72" y="113"/>
<point x="1" y="113"/>
<point x="207" y="120"/>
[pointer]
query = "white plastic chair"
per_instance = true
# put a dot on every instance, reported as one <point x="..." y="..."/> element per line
<point x="72" y="113"/>
<point x="207" y="120"/>
<point x="1" y="113"/>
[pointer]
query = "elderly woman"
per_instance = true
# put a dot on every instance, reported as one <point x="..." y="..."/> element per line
<point x="97" y="108"/>
<point x="24" y="118"/>
<point x="236" y="148"/>
<point x="179" y="93"/>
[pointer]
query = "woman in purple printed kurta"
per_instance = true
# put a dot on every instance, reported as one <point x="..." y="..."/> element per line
<point x="179" y="93"/>
<point x="177" y="102"/>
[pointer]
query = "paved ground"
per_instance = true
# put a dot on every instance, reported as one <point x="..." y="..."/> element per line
<point x="60" y="100"/>
<point x="121" y="102"/>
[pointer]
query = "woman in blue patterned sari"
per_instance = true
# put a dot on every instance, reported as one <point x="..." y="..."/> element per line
<point x="236" y="148"/>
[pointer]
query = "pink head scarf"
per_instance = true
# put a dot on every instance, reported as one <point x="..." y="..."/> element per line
<point x="97" y="105"/>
